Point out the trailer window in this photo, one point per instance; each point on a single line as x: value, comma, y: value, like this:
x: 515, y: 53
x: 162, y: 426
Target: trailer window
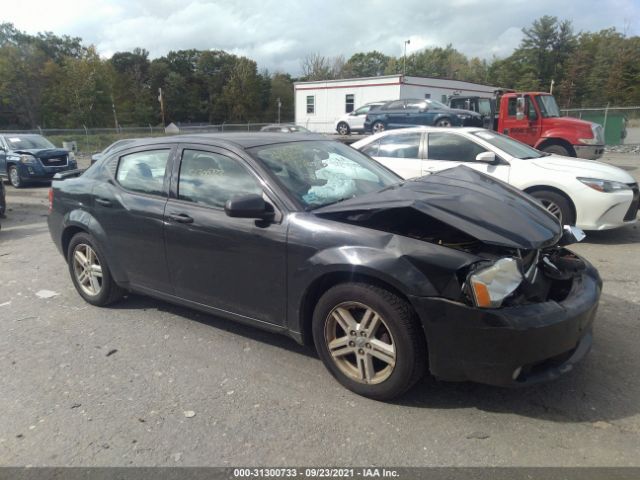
x: 349, y: 102
x: 311, y: 104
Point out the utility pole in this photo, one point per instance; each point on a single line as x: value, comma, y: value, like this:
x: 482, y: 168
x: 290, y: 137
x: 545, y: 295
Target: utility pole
x: 279, y: 105
x: 115, y: 115
x: 404, y: 63
x: 161, y: 100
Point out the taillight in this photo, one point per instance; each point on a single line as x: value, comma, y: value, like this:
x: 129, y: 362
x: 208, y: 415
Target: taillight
x: 50, y: 200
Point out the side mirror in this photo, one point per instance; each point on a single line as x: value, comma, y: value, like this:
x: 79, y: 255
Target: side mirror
x: 249, y: 206
x: 486, y: 157
x: 520, y: 107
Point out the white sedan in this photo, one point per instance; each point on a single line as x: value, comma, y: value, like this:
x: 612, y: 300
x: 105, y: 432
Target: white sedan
x: 591, y: 195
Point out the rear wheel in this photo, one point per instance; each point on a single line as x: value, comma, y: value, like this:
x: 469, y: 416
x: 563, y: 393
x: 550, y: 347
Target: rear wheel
x: 369, y: 339
x: 14, y: 177
x: 378, y: 127
x: 343, y: 128
x: 89, y: 272
x: 557, y: 205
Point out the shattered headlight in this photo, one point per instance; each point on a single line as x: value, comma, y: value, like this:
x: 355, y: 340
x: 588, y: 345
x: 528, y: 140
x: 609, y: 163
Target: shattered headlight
x: 27, y: 159
x: 491, y: 285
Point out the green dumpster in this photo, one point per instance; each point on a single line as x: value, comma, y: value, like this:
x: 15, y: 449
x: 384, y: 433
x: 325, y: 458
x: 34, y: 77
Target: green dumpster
x: 614, y: 130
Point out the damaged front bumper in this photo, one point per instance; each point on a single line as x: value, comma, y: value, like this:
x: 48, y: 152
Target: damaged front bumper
x: 515, y: 345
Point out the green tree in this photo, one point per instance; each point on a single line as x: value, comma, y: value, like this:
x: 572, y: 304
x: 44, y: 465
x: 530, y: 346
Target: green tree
x: 241, y: 93
x: 369, y: 64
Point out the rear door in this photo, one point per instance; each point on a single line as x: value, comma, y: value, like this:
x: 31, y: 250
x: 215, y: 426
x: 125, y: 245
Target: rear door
x: 400, y: 153
x: 396, y: 114
x: 234, y: 265
x: 446, y: 150
x: 130, y: 210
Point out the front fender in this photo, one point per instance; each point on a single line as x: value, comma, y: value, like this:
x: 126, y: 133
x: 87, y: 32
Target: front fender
x: 558, y: 133
x: 409, y: 266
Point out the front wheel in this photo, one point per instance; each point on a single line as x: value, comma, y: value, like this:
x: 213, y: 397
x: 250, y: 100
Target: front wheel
x: 557, y: 150
x: 14, y: 177
x: 369, y: 339
x: 89, y: 272
x: 557, y: 205
x: 443, y: 122
x: 343, y: 128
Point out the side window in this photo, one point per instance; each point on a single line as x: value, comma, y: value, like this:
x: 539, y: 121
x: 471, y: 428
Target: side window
x: 484, y: 106
x: 363, y: 110
x: 372, y: 149
x: 449, y: 146
x: 417, y: 104
x: 143, y: 171
x: 397, y: 105
x: 349, y: 102
x: 311, y: 104
x: 211, y: 179
x: 511, y: 107
x: 400, y: 146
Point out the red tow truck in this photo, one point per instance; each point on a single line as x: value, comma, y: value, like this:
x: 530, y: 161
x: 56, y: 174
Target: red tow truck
x: 534, y: 118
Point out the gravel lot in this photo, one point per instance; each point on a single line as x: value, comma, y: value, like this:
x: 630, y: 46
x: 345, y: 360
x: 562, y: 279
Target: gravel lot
x: 105, y: 387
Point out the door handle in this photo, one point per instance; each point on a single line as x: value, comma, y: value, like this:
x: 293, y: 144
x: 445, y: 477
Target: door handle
x: 180, y: 217
x: 104, y: 202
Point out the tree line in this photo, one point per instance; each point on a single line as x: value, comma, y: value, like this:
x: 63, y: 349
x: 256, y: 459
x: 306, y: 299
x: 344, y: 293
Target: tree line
x: 53, y: 81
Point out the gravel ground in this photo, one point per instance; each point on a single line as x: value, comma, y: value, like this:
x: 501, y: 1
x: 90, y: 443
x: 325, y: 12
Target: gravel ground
x: 148, y: 383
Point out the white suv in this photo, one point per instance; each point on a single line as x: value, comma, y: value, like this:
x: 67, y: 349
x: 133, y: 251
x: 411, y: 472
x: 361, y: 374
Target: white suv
x: 354, y: 121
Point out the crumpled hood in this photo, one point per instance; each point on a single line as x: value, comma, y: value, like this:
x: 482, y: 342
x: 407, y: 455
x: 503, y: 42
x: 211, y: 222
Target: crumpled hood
x: 43, y: 153
x: 474, y: 203
x: 583, y: 168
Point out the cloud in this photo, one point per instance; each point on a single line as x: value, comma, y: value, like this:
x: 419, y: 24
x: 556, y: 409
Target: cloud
x: 279, y: 33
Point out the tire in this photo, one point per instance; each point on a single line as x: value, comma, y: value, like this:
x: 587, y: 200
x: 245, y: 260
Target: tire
x: 443, y: 122
x: 14, y: 177
x: 108, y: 291
x: 377, y: 127
x: 343, y: 128
x: 390, y: 355
x: 557, y: 205
x: 557, y: 149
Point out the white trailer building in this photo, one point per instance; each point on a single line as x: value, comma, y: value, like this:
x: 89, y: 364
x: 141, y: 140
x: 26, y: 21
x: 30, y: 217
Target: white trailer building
x: 319, y: 104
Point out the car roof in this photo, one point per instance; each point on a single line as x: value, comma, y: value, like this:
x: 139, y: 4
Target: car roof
x: 422, y: 129
x: 242, y: 140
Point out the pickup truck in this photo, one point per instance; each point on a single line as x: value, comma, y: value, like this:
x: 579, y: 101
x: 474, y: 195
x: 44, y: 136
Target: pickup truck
x: 534, y: 118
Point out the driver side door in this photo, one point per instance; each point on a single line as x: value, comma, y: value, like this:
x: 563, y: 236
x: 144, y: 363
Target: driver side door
x: 233, y: 265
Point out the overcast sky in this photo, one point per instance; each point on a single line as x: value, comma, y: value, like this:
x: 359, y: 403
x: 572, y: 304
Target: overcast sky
x: 279, y: 33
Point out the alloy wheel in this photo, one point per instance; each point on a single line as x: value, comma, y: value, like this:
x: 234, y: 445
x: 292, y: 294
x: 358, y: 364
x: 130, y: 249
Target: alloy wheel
x: 87, y: 269
x: 343, y: 129
x: 443, y: 123
x: 553, y: 209
x: 14, y: 177
x: 360, y: 343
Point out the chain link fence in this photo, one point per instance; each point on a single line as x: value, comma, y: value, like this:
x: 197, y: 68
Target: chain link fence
x: 621, y: 124
x: 92, y: 140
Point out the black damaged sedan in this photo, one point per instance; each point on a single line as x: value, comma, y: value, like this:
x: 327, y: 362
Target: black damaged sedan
x: 456, y: 272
